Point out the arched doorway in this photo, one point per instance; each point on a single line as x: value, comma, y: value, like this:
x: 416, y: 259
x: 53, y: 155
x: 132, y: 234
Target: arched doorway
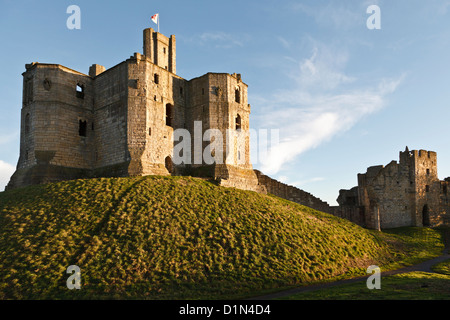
x: 426, y: 216
x: 168, y: 164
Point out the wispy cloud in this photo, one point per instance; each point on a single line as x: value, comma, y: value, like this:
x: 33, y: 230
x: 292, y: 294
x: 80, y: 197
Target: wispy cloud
x: 218, y: 39
x: 6, y: 171
x: 324, y: 102
x: 333, y: 14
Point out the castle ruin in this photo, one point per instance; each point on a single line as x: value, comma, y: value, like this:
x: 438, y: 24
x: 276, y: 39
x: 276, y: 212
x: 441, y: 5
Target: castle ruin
x: 407, y: 193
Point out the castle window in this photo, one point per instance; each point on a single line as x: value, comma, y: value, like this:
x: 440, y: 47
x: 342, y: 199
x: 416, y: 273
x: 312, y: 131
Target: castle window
x: 237, y: 96
x: 80, y: 91
x: 156, y: 78
x: 27, y: 123
x: 92, y: 126
x: 164, y: 49
x: 181, y: 90
x: 149, y: 131
x: 82, y: 125
x: 169, y: 115
x: 203, y: 91
x: 238, y: 122
x: 28, y: 90
x: 427, y: 188
x: 428, y: 171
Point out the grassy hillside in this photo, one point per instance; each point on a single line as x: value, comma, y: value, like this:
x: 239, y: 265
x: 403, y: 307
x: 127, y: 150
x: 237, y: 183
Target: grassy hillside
x: 170, y: 238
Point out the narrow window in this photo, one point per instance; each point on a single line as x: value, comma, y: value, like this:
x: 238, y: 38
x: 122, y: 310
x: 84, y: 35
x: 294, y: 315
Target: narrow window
x: 181, y: 91
x: 27, y: 123
x: 169, y: 115
x: 238, y: 122
x: 82, y: 128
x: 427, y: 188
x: 80, y: 91
x: 203, y: 91
x: 164, y: 49
x: 28, y: 91
x: 149, y: 131
x: 92, y: 126
x: 237, y: 96
x: 428, y: 171
x: 156, y: 78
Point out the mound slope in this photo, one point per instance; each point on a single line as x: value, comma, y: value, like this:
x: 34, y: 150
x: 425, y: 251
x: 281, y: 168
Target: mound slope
x: 169, y: 238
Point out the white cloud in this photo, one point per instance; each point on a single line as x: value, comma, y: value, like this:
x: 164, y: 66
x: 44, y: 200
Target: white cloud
x: 6, y: 171
x: 218, y: 39
x: 320, y: 106
x: 333, y: 14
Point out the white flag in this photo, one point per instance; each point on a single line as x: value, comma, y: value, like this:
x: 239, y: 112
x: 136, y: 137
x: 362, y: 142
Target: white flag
x: 155, y: 18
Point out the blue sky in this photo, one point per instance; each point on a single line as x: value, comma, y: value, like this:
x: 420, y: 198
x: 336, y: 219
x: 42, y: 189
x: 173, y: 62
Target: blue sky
x: 344, y: 97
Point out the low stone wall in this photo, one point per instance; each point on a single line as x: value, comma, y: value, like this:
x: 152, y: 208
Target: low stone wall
x: 292, y: 193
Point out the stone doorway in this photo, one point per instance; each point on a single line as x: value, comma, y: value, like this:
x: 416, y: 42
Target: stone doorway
x: 168, y: 164
x: 426, y: 216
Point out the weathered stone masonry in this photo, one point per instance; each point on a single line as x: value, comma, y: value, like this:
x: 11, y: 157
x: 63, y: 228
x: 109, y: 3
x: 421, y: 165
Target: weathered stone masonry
x: 407, y: 193
x: 121, y: 121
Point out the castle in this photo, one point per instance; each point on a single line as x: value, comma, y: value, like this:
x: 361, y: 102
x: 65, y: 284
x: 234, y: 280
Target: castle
x: 125, y: 121
x: 407, y: 193
x: 122, y: 121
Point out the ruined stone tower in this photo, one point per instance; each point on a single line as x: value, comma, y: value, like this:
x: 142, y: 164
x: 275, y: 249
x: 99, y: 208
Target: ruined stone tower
x: 408, y: 193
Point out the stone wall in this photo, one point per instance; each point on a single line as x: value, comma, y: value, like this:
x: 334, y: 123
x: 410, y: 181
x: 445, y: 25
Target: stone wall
x: 407, y: 193
x: 110, y: 117
x: 292, y: 193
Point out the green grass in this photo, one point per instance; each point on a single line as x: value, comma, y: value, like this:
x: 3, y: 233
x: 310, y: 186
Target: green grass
x: 178, y: 238
x: 422, y: 244
x: 407, y: 286
x: 443, y: 267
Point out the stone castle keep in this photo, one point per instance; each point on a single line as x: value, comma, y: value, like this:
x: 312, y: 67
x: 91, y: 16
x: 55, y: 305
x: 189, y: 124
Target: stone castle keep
x: 121, y: 121
x: 407, y: 193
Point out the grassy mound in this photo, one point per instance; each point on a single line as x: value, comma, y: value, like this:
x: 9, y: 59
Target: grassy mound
x: 169, y: 238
